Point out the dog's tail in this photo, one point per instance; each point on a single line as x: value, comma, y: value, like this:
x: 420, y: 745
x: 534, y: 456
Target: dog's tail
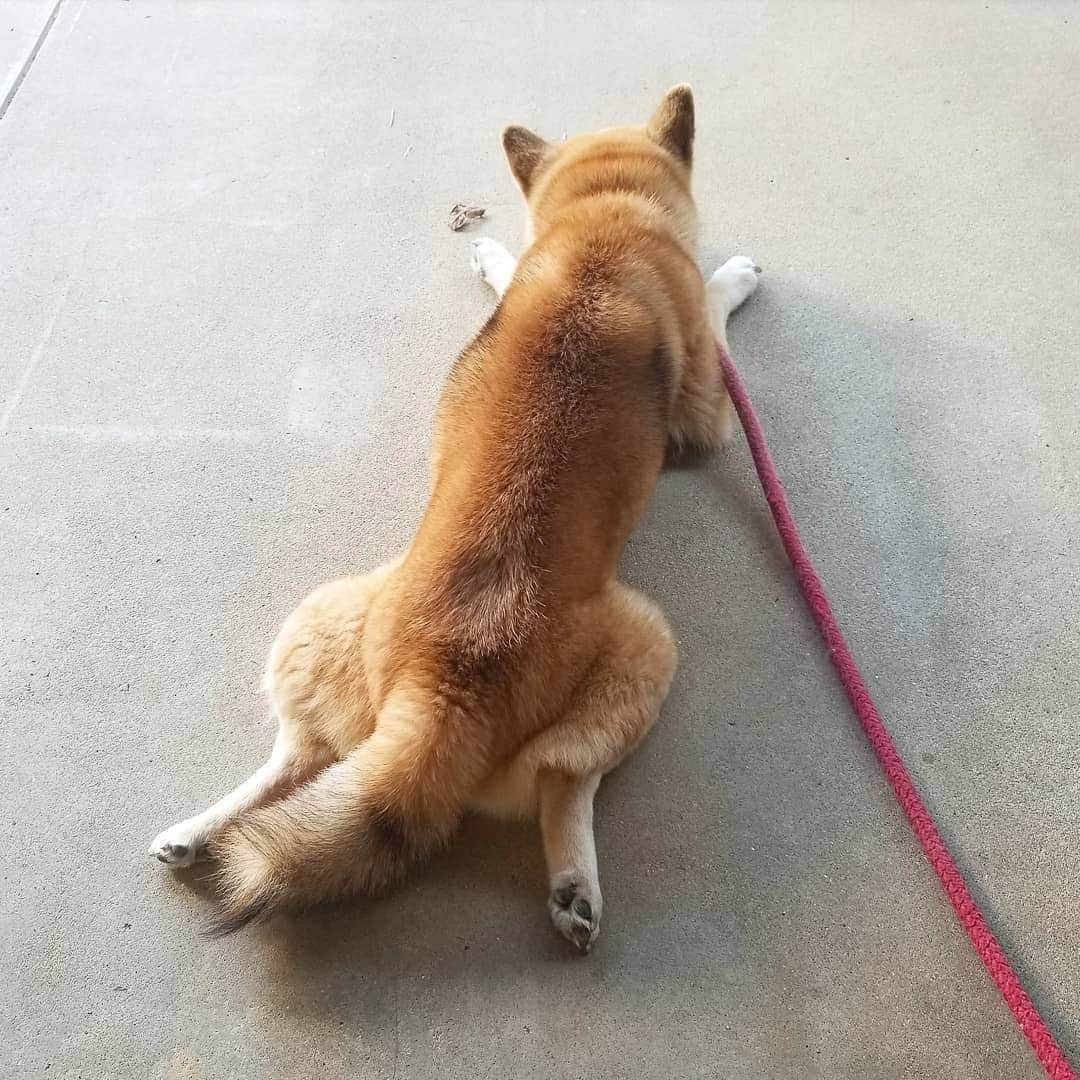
x: 359, y: 825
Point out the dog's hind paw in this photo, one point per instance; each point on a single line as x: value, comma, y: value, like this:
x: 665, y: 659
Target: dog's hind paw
x: 177, y: 847
x: 575, y: 911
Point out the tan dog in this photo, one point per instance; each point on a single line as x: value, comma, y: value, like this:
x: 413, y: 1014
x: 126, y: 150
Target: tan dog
x: 499, y: 665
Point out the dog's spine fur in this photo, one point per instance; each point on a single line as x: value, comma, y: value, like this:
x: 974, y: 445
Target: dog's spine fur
x: 359, y: 825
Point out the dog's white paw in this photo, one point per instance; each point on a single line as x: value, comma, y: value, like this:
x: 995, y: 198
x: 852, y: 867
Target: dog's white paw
x: 179, y: 846
x: 493, y: 263
x: 736, y: 280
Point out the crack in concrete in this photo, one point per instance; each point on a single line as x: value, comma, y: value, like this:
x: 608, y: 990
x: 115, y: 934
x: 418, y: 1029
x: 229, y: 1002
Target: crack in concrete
x: 9, y: 97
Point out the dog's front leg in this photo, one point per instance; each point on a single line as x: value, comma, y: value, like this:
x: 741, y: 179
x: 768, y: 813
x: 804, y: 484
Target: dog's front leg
x: 493, y: 263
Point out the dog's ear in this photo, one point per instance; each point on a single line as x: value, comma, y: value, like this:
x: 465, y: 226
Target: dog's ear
x: 525, y: 150
x: 672, y: 125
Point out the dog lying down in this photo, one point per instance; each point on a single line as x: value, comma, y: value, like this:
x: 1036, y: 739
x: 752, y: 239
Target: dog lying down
x: 499, y: 665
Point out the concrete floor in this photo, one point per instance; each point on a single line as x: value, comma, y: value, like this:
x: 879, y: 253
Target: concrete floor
x: 228, y: 297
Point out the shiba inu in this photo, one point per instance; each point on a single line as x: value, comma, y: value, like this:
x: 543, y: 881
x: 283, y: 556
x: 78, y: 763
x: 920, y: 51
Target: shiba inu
x: 499, y: 665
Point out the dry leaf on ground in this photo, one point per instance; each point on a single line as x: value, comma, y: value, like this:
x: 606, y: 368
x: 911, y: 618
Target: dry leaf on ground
x: 461, y: 215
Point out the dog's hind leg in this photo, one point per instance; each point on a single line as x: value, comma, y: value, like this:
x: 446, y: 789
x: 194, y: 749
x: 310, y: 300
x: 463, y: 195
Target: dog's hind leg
x: 611, y: 713
x: 566, y: 825
x: 316, y: 681
x: 291, y: 763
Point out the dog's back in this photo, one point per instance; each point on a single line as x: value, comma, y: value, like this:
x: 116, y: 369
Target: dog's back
x: 551, y: 432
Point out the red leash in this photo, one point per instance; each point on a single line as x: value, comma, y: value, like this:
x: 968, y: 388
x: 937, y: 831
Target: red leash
x: 1027, y: 1016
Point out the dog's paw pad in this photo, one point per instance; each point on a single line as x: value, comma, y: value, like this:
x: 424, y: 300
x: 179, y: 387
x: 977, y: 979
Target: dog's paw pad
x: 174, y: 849
x: 576, y: 913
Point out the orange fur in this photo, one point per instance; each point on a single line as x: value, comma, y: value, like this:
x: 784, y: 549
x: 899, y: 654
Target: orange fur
x: 500, y: 658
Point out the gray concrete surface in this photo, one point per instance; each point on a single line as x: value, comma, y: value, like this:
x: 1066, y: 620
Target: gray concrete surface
x: 228, y: 297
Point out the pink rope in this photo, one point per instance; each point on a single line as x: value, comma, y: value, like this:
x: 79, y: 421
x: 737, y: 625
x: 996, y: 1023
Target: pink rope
x: 1027, y: 1016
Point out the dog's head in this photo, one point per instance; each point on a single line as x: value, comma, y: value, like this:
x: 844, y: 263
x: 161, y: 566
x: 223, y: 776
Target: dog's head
x: 645, y: 158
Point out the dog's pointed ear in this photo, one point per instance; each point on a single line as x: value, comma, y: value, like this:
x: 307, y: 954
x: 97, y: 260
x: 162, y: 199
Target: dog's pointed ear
x: 525, y: 150
x: 672, y: 125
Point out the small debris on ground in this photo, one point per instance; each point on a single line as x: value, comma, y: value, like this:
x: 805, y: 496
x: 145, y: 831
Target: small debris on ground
x: 461, y: 215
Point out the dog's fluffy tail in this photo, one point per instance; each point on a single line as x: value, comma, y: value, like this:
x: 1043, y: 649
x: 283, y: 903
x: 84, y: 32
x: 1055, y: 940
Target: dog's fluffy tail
x: 358, y: 826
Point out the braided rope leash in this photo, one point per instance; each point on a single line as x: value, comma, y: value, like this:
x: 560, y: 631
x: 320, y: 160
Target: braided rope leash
x: 1048, y: 1052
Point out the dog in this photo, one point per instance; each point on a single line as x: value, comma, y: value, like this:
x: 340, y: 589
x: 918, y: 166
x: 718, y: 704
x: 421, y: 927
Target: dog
x: 499, y: 665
